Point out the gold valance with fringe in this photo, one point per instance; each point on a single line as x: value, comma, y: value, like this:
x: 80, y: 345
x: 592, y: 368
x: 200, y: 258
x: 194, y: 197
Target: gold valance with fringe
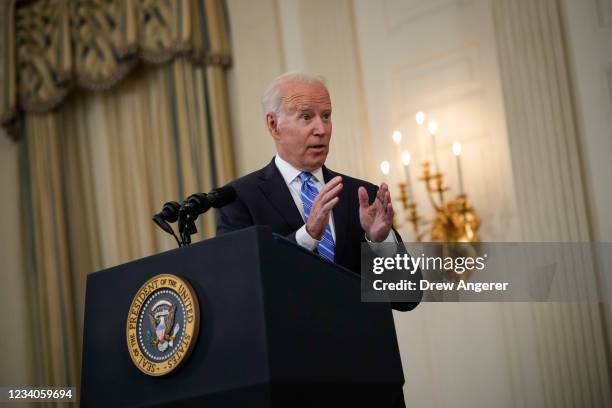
x: 53, y: 45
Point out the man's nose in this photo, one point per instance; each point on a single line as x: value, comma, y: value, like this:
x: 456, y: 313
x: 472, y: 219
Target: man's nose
x: 318, y: 126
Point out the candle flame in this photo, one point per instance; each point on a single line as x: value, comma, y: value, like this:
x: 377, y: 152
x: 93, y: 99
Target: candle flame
x: 456, y: 148
x: 384, y: 167
x: 420, y: 118
x: 433, y: 127
x: 397, y: 137
x: 406, y: 158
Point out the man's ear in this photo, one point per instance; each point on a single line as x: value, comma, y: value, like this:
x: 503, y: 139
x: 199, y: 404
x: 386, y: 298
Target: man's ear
x: 272, y: 122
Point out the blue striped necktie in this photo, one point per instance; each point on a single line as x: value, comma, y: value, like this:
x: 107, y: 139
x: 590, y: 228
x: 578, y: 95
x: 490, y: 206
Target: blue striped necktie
x: 309, y: 193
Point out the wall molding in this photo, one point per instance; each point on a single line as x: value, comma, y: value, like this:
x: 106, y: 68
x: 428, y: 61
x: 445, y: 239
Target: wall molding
x: 398, y: 13
x: 437, y: 80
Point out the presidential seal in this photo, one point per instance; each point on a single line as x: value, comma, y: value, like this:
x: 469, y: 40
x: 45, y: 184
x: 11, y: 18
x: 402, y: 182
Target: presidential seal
x: 162, y: 324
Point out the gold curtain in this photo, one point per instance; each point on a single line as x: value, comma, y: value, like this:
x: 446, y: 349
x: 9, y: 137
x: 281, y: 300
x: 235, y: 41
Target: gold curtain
x: 53, y: 45
x: 96, y: 165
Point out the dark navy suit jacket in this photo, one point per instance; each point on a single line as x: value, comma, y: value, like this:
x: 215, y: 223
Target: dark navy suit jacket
x: 263, y: 198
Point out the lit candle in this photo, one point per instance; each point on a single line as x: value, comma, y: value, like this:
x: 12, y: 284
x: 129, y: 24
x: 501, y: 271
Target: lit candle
x: 406, y: 163
x: 420, y: 119
x: 457, y: 153
x: 397, y: 139
x: 433, y: 128
x: 385, y: 167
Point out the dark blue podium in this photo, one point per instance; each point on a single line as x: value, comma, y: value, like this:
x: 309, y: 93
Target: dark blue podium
x: 279, y: 327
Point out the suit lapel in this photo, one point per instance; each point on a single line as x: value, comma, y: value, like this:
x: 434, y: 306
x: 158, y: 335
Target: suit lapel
x: 341, y: 213
x: 273, y: 185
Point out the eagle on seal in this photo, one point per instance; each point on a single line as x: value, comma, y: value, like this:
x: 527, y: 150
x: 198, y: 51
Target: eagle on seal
x: 162, y: 325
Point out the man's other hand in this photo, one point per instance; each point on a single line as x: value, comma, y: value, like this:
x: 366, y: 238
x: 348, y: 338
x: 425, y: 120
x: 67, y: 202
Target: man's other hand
x: 376, y: 219
x: 321, y: 208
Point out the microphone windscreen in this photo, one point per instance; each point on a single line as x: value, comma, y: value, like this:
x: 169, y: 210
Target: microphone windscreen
x: 170, y: 211
x: 221, y: 196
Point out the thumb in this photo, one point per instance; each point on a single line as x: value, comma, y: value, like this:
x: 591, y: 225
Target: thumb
x: 363, y: 197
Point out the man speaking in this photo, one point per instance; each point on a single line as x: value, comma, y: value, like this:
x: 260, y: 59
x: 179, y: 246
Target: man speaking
x: 297, y: 196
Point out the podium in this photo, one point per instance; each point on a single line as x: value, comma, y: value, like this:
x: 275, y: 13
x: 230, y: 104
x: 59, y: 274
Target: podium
x: 279, y: 327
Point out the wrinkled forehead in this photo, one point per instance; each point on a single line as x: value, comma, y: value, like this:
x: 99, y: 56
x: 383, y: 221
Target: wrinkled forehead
x: 299, y: 96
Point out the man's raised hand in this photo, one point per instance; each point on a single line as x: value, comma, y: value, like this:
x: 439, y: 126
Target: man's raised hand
x: 321, y: 208
x: 376, y: 219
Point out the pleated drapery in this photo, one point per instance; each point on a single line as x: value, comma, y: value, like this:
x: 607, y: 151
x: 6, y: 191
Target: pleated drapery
x: 54, y: 46
x: 95, y: 166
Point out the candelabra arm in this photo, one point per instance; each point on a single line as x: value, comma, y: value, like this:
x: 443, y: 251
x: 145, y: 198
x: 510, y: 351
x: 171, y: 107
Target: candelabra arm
x: 431, y: 198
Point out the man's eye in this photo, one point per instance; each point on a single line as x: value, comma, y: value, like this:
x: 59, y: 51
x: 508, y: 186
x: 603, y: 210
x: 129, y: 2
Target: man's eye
x: 306, y: 117
x: 326, y: 116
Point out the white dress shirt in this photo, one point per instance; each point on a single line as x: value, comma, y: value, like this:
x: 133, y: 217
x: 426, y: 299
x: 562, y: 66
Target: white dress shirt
x: 290, y: 175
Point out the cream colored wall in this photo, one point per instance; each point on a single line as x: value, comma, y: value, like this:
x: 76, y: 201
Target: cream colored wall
x: 14, y: 354
x: 257, y: 60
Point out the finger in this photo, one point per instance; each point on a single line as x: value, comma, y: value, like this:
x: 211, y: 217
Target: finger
x: 331, y: 184
x: 324, y: 198
x: 379, y: 193
x: 382, y: 197
x: 382, y: 191
x: 384, y: 188
x: 387, y: 200
x: 363, y: 197
x: 390, y: 212
x: 330, y: 205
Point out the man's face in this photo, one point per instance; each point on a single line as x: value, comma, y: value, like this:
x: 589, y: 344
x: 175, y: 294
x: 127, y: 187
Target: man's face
x: 303, y: 130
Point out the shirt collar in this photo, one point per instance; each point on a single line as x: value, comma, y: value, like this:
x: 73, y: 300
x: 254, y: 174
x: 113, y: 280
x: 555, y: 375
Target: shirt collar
x: 290, y: 173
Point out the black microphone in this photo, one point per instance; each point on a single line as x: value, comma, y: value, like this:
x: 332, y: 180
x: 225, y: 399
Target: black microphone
x: 221, y: 196
x: 196, y: 204
x: 169, y: 213
x: 199, y: 203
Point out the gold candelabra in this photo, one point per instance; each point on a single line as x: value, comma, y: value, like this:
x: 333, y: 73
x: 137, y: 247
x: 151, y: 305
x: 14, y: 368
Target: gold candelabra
x: 454, y: 220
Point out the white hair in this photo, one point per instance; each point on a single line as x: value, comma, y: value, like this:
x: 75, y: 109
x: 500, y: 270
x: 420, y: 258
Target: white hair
x: 272, y: 98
